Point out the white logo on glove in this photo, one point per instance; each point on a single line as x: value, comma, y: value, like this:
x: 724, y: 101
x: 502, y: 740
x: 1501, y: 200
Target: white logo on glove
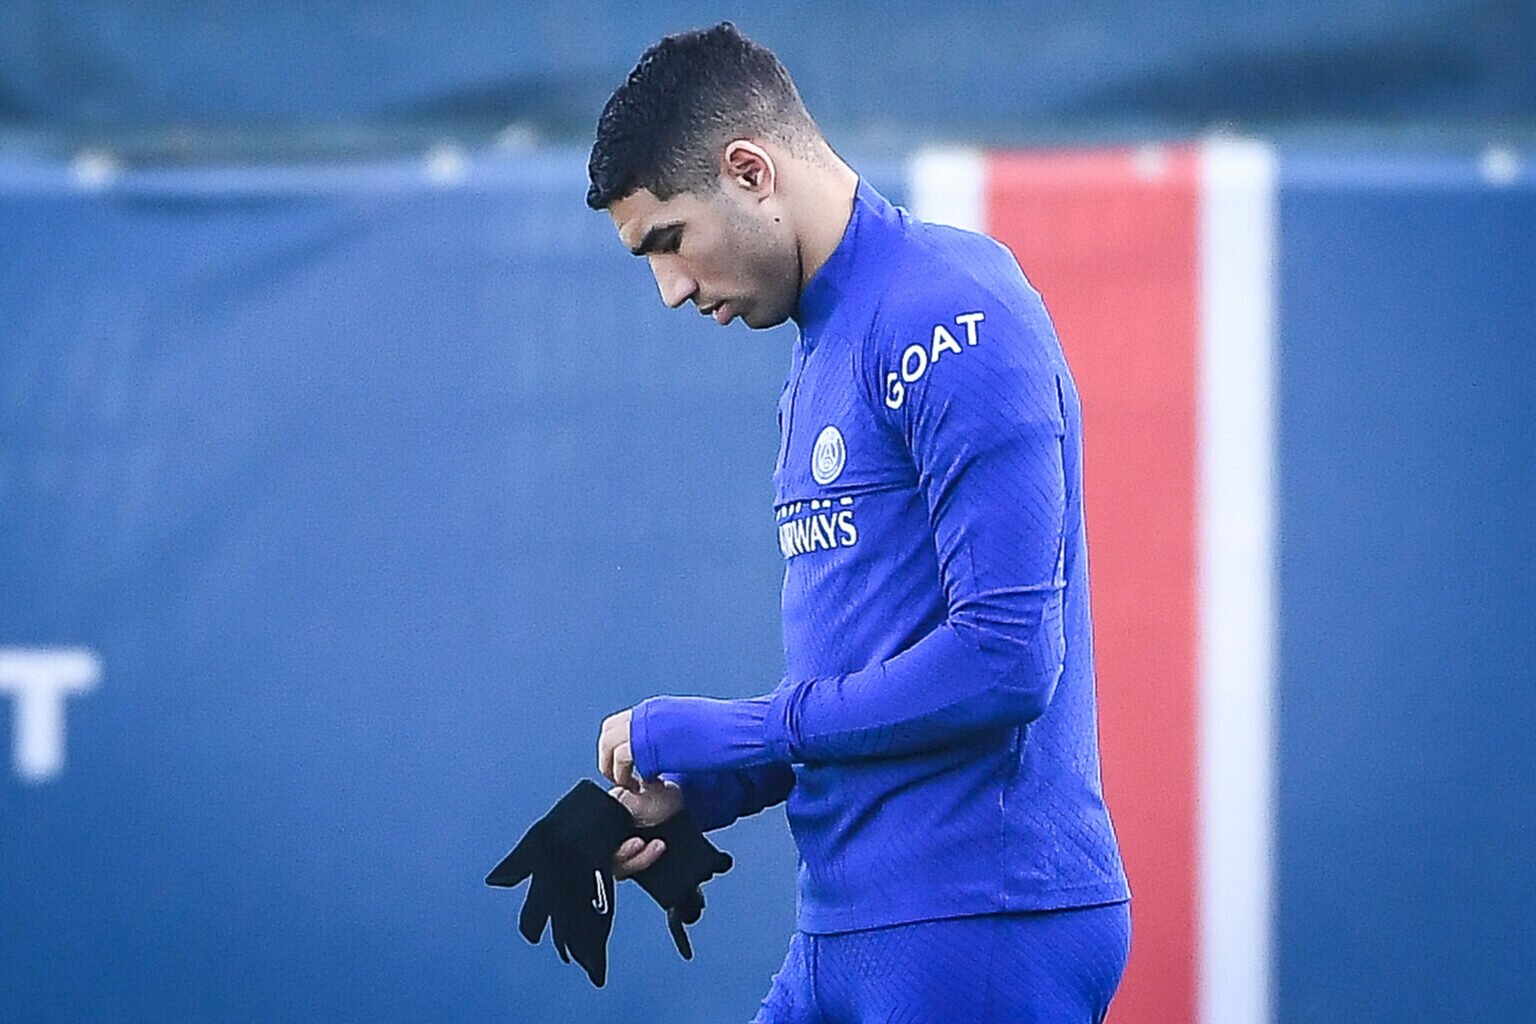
x: 600, y: 904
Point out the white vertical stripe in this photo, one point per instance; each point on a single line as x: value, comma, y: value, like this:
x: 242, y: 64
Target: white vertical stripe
x: 948, y: 186
x: 1237, y: 581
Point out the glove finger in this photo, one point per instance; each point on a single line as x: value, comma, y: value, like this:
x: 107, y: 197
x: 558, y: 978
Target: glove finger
x: 679, y: 934
x: 691, y: 907
x: 583, y: 937
x: 723, y: 862
x: 593, y: 958
x: 587, y: 921
x: 534, y: 916
x: 518, y: 864
x: 557, y: 936
x: 598, y: 927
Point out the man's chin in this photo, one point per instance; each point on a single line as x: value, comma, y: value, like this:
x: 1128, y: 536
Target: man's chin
x: 759, y: 321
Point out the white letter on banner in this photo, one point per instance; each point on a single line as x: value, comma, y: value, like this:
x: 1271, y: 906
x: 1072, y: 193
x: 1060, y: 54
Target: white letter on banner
x: 40, y: 679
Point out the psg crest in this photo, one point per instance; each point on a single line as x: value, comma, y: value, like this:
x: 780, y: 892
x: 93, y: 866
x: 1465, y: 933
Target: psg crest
x: 828, y: 456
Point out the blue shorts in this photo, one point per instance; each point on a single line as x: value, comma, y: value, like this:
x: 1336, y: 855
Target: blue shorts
x: 1060, y: 967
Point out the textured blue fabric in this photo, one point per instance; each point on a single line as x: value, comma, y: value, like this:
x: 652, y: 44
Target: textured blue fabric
x: 716, y: 799
x: 1048, y: 967
x: 938, y: 705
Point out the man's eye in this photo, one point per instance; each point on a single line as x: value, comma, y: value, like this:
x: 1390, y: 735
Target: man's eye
x: 672, y: 243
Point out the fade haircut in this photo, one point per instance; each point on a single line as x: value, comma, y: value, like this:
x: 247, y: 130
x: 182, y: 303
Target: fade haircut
x: 689, y: 96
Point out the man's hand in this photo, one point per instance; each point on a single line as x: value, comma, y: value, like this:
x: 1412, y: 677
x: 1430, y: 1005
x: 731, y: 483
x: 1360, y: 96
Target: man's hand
x: 615, y: 759
x: 653, y: 804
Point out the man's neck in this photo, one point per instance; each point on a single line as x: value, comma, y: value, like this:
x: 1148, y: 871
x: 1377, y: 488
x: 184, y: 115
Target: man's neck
x: 824, y: 214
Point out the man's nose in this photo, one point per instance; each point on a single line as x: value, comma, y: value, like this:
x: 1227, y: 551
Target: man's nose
x: 676, y: 287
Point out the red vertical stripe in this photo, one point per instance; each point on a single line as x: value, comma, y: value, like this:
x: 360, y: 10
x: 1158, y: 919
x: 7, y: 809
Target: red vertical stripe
x: 1109, y: 238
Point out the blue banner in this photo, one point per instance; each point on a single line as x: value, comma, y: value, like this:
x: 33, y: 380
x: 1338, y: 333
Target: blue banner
x: 340, y: 506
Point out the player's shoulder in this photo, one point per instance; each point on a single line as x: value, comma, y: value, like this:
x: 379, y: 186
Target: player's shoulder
x: 957, y: 315
x: 940, y: 272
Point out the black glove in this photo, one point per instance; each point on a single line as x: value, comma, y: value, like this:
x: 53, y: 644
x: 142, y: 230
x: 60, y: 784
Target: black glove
x: 673, y: 881
x: 569, y: 853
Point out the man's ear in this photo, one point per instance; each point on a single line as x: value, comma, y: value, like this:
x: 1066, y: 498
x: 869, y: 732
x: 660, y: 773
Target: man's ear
x: 748, y: 166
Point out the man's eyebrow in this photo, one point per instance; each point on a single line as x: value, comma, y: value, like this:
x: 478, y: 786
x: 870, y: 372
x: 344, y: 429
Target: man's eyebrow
x: 654, y: 237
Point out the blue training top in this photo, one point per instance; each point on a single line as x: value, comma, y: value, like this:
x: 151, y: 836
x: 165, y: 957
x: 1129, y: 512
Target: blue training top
x: 936, y: 732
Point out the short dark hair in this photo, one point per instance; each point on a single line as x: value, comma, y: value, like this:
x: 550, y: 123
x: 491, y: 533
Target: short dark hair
x: 689, y: 95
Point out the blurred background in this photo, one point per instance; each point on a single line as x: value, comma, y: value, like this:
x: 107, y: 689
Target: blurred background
x: 351, y: 473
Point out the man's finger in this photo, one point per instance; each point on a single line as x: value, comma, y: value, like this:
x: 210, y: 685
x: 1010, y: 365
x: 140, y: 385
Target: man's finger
x: 649, y: 855
x: 646, y: 854
x: 613, y: 734
x: 605, y: 756
x: 624, y: 767
x: 634, y: 802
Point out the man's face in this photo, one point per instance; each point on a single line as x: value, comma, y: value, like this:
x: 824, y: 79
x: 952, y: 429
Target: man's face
x: 721, y: 250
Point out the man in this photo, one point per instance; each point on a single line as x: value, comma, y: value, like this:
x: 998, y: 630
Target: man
x: 935, y: 733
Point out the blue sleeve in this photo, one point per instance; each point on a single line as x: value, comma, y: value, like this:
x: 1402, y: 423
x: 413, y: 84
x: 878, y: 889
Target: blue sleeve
x: 717, y: 799
x: 972, y: 387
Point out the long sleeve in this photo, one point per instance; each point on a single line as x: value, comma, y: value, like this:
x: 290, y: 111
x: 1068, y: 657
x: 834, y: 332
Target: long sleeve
x: 717, y: 799
x: 973, y: 388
